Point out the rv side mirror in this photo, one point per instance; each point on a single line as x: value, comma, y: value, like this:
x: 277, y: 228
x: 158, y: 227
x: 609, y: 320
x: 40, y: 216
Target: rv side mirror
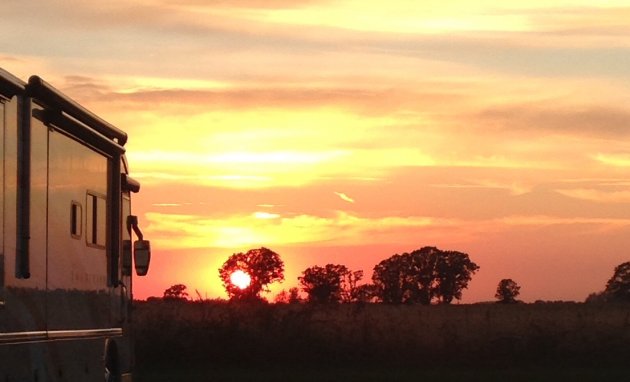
x: 142, y: 256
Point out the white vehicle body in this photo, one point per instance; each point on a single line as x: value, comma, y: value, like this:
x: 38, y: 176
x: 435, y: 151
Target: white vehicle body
x: 65, y: 239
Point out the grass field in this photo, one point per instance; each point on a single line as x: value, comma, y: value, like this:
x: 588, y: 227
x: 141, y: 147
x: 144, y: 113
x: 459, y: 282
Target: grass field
x: 218, y: 341
x: 373, y: 375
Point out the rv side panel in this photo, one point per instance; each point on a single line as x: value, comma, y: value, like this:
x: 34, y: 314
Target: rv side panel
x: 1, y: 198
x: 24, y: 297
x: 65, y: 279
x: 9, y: 187
x: 77, y: 264
x: 38, y: 229
x: 24, y: 308
x: 37, y: 182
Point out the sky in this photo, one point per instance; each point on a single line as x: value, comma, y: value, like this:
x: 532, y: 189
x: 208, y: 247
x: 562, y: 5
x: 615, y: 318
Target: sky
x: 348, y: 131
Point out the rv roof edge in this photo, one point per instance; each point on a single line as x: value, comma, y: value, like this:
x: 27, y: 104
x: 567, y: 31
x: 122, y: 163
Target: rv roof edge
x: 10, y: 85
x: 43, y: 91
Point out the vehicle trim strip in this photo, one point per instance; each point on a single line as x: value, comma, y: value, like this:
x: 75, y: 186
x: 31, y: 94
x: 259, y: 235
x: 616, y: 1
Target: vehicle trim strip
x: 57, y: 335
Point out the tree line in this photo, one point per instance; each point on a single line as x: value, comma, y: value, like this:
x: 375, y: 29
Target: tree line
x: 424, y: 276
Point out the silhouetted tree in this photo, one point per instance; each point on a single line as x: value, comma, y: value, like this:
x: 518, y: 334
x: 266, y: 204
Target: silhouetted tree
x: 176, y: 292
x: 366, y: 293
x: 349, y: 287
x: 324, y: 284
x: 422, y: 275
x: 618, y: 287
x: 282, y: 297
x: 263, y: 266
x: 507, y: 290
x: 596, y: 298
x: 454, y: 272
x: 288, y: 297
x: 390, y: 279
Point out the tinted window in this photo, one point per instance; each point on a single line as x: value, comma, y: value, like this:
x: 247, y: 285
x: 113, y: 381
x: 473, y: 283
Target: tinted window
x: 96, y: 220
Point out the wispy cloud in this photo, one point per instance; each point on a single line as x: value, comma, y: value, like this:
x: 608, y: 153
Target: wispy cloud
x: 545, y: 220
x: 514, y: 188
x: 265, y: 215
x: 252, y: 4
x: 344, y: 197
x: 599, y: 196
x: 556, y: 118
x: 263, y: 228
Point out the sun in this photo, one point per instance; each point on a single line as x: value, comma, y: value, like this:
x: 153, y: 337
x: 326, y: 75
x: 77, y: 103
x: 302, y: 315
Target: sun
x: 240, y: 279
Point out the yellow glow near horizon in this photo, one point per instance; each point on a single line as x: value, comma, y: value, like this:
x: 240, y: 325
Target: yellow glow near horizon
x: 259, y: 229
x: 273, y: 147
x: 240, y: 231
x: 277, y: 169
x: 614, y: 160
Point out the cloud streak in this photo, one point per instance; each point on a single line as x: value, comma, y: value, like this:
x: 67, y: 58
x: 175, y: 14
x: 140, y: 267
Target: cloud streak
x: 190, y: 231
x: 588, y: 120
x: 344, y: 197
x: 261, y: 228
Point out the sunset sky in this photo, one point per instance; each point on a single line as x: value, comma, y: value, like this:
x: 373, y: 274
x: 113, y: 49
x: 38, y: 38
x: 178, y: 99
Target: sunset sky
x: 348, y: 131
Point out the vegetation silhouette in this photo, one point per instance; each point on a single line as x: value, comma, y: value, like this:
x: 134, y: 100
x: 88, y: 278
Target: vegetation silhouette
x: 263, y: 266
x: 507, y: 291
x: 237, y: 334
x: 423, y: 275
x: 176, y: 292
x: 290, y: 297
x: 618, y: 287
x: 332, y: 283
x: 214, y: 334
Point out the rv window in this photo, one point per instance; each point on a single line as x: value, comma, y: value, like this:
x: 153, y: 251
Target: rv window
x: 96, y: 220
x: 75, y: 220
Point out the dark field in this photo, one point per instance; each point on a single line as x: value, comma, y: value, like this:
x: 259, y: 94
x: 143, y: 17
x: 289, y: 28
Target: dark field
x: 574, y: 374
x: 214, y: 341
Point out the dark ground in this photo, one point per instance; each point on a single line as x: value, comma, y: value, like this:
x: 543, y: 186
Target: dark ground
x: 528, y: 342
x: 536, y: 374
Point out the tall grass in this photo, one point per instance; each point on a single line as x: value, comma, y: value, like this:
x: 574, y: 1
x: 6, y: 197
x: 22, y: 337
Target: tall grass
x: 492, y: 335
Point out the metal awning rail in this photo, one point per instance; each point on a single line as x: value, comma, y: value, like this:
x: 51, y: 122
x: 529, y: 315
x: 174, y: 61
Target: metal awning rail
x: 55, y: 99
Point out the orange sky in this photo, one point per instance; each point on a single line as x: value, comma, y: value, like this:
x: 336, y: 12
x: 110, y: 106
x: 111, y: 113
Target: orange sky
x: 349, y: 131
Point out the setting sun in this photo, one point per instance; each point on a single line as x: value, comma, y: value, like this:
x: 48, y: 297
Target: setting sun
x: 240, y: 279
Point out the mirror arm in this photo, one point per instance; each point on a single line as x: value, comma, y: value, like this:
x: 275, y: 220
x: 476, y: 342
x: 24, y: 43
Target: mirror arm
x: 136, y: 229
x: 132, y: 221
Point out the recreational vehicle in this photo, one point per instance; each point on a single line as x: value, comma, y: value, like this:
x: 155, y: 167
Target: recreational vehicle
x: 67, y: 245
